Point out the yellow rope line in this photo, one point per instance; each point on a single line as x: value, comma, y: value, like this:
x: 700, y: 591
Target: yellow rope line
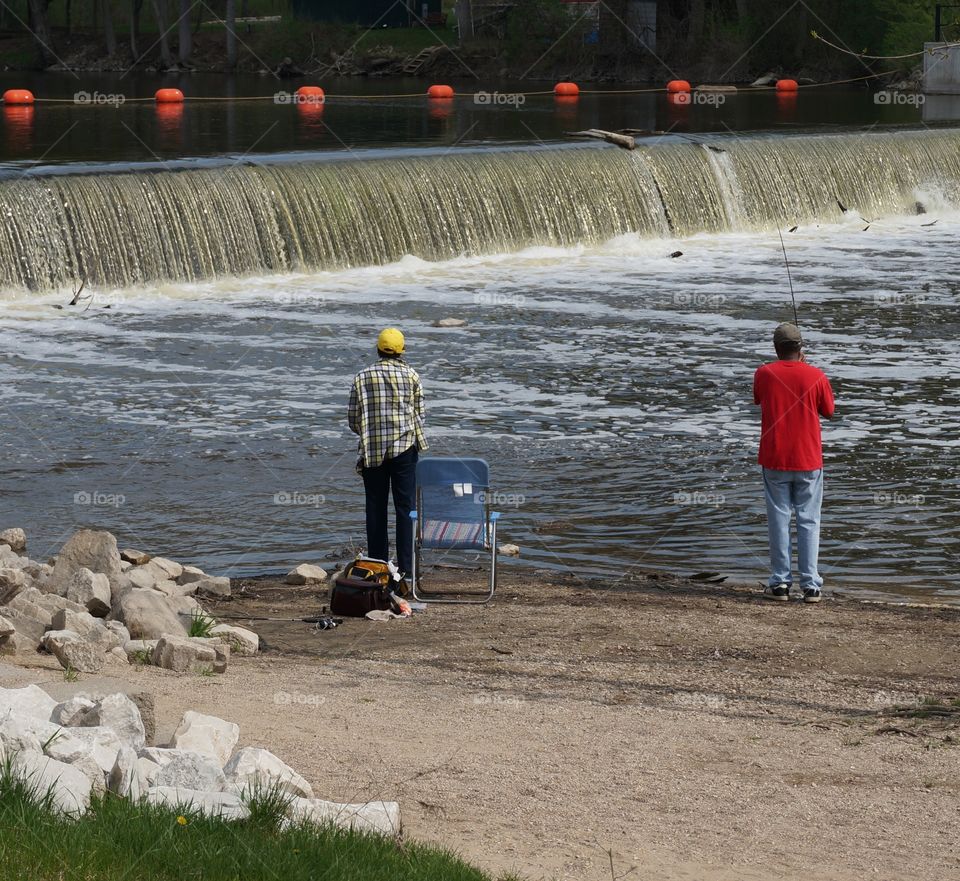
x: 198, y: 99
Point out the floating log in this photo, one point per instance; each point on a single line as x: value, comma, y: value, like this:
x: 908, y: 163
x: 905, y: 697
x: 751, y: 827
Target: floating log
x: 709, y: 88
x: 625, y: 141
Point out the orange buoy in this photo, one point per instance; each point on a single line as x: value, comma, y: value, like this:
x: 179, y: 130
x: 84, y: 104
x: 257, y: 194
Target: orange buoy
x: 566, y: 90
x: 440, y: 92
x: 17, y: 96
x: 787, y: 86
x: 310, y: 95
x: 169, y: 96
x: 675, y: 86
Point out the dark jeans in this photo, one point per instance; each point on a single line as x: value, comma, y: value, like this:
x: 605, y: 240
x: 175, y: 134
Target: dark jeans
x: 401, y: 472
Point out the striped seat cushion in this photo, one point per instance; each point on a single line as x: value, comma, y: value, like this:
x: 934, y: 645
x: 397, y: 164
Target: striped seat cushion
x: 447, y: 532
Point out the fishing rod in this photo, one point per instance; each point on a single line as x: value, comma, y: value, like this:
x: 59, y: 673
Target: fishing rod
x: 786, y: 260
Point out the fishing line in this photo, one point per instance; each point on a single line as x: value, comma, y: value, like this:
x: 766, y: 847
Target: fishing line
x: 786, y: 260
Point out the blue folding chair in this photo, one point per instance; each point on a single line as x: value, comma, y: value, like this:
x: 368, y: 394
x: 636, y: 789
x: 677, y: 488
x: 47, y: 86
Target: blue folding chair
x: 453, y: 513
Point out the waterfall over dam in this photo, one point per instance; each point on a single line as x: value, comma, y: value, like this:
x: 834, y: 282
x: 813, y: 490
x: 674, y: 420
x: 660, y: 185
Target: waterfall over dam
x: 134, y: 226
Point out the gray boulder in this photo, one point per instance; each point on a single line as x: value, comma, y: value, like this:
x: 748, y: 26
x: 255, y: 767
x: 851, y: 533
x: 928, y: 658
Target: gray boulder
x: 121, y: 715
x: 252, y: 769
x: 182, y: 653
x: 12, y: 582
x: 126, y: 778
x: 208, y: 735
x: 73, y: 651
x: 68, y: 786
x: 30, y: 701
x: 213, y: 586
x: 380, y: 817
x: 15, y: 539
x: 187, y: 770
x: 91, y: 590
x: 224, y: 805
x: 240, y: 640
x: 89, y: 549
x: 148, y: 615
x: 91, y: 629
x: 70, y: 712
x: 306, y: 573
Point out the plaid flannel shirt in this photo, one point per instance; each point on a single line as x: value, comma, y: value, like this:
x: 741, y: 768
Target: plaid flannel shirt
x: 386, y: 411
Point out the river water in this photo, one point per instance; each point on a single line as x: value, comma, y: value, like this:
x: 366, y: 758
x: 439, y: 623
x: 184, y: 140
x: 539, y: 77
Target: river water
x: 607, y: 383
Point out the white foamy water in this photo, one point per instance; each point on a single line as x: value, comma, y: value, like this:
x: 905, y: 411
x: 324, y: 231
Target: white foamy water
x: 608, y: 387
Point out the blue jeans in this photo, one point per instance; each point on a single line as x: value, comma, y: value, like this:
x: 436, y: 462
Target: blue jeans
x: 400, y: 475
x: 800, y: 492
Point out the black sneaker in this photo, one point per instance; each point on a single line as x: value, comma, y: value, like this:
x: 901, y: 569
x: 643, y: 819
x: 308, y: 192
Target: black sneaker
x: 781, y: 592
x: 811, y: 595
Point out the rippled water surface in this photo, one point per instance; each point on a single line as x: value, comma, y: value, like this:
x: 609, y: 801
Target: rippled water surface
x: 609, y: 388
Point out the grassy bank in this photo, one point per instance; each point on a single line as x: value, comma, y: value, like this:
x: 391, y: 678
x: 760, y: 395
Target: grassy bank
x: 118, y: 840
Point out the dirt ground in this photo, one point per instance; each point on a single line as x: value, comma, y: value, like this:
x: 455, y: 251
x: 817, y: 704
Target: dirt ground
x: 663, y: 730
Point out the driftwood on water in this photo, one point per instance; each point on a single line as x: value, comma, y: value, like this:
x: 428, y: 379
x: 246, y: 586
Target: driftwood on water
x: 625, y: 141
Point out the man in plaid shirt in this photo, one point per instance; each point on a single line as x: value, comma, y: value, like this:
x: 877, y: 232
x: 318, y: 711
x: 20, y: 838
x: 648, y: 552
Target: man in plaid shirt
x: 387, y: 412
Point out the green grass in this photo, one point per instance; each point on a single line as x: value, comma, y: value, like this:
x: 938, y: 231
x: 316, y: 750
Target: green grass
x: 117, y: 840
x: 200, y: 624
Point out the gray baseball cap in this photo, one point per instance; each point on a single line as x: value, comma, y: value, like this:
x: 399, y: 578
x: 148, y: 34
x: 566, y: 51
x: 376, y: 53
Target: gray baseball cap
x: 787, y: 333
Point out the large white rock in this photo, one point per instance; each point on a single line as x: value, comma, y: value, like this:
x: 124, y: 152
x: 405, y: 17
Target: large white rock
x: 133, y: 556
x: 12, y: 582
x: 74, y: 652
x: 69, y: 787
x: 84, y: 624
x: 126, y: 778
x: 382, y: 817
x: 191, y: 575
x: 306, y: 573
x: 91, y: 590
x: 121, y: 715
x: 29, y: 701
x: 188, y: 770
x: 252, y: 770
x: 240, y: 640
x: 70, y: 711
x: 89, y: 549
x: 103, y: 741
x: 25, y: 733
x: 225, y: 805
x: 80, y: 754
x: 6, y: 627
x: 206, y: 734
x: 213, y: 586
x: 148, y: 615
x: 16, y: 538
x: 181, y: 653
x: 170, y: 568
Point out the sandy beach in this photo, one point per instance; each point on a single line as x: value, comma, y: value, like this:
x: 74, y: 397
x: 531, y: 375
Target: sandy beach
x: 663, y: 730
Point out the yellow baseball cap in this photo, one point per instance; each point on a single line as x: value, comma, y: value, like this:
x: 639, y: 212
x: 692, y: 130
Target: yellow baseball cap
x: 390, y: 341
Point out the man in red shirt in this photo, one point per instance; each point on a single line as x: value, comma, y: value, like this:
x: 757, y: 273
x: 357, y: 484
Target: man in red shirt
x: 792, y: 395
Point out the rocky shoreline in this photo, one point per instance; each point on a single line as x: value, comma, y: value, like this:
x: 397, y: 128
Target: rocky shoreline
x: 97, y: 608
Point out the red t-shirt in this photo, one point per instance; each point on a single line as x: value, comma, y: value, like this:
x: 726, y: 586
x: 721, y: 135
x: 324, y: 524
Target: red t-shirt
x: 792, y: 396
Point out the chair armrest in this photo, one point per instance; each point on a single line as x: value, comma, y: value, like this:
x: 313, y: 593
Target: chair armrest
x: 413, y: 515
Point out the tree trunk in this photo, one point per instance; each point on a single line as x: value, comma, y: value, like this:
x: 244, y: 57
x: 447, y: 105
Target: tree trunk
x: 184, y: 31
x: 41, y: 31
x: 231, y: 21
x: 135, y: 7
x: 66, y: 14
x: 109, y: 34
x: 698, y: 18
x: 160, y: 13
